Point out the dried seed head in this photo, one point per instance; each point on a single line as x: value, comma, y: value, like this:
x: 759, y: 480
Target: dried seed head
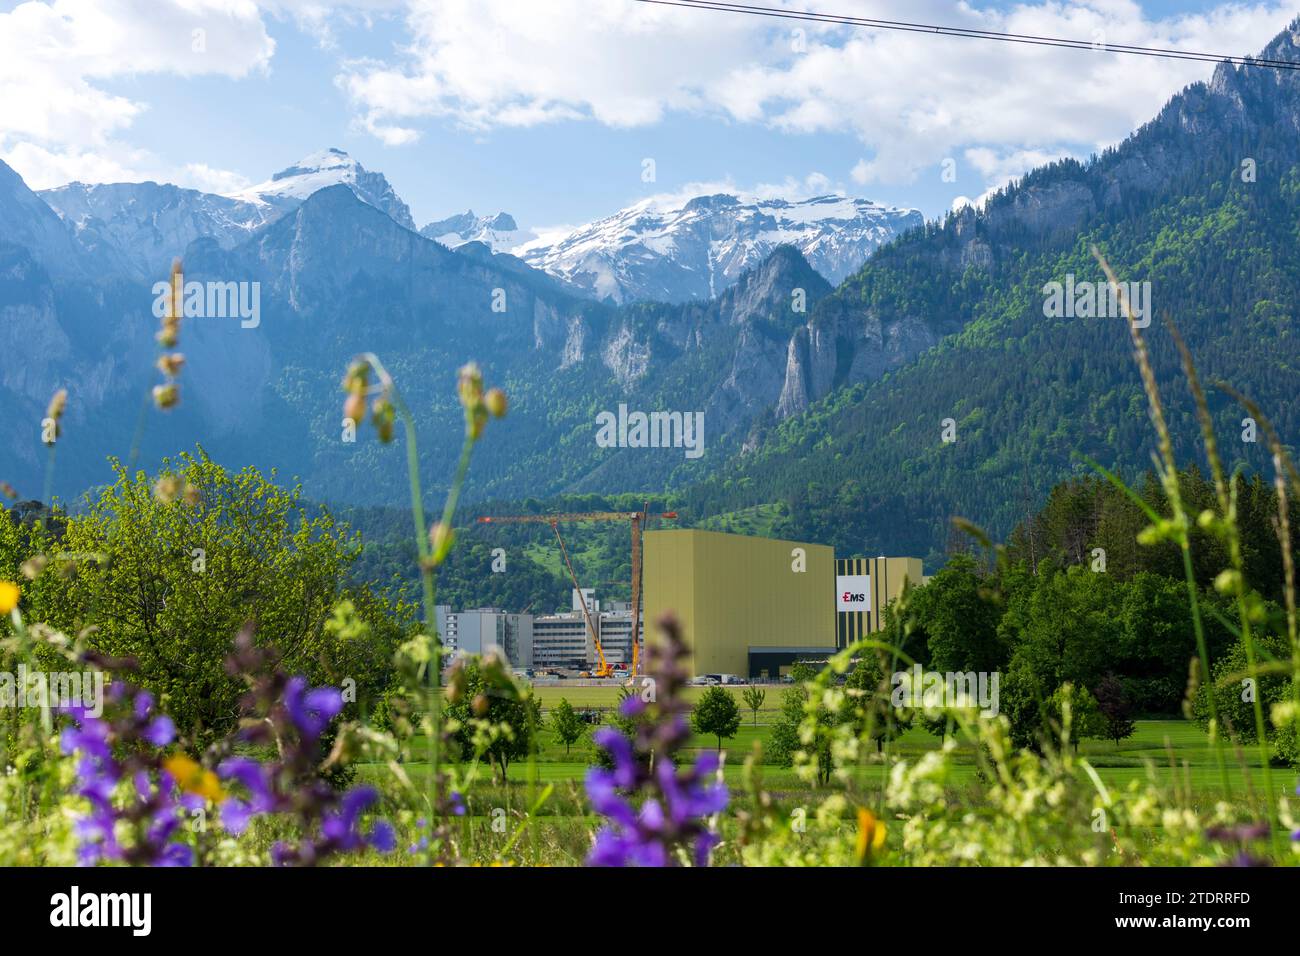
x: 470, y: 386
x: 354, y: 407
x: 496, y: 402
x: 357, y: 378
x: 170, y: 364
x: 58, y: 403
x: 167, y: 489
x: 33, y: 566
x: 441, y: 538
x: 383, y: 417
x: 177, y: 289
x: 166, y: 396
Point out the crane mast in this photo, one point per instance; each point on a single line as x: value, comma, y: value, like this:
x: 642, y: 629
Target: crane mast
x: 638, y: 520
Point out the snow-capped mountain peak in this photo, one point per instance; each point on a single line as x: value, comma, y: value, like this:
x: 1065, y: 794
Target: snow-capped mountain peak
x: 140, y: 227
x: 500, y: 233
x: 694, y: 248
x: 329, y: 167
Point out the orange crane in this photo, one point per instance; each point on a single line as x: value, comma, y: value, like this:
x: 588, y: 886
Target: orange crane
x: 638, y: 520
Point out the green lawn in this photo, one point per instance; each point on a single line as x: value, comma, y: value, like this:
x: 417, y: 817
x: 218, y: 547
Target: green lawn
x: 605, y: 697
x: 1148, y: 751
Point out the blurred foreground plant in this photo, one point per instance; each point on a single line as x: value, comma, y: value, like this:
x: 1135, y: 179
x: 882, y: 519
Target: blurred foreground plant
x: 657, y: 813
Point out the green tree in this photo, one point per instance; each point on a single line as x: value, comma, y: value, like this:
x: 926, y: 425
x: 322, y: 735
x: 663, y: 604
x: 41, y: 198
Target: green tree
x: 494, y: 718
x: 957, y: 615
x: 1065, y: 628
x: 1024, y: 701
x: 867, y: 702
x: 801, y: 671
x: 1086, y: 719
x: 166, y: 573
x: 1115, y: 707
x: 753, y: 697
x: 716, y: 714
x: 784, y: 740
x: 1234, y: 690
x: 565, y: 724
x: 1156, y: 639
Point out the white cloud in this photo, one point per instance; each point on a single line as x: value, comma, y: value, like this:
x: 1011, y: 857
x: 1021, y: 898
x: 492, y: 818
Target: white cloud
x: 912, y: 99
x: 321, y: 20
x: 488, y: 63
x: 59, y: 122
x: 814, y: 184
x: 1002, y: 165
x: 43, y: 168
x: 204, y: 178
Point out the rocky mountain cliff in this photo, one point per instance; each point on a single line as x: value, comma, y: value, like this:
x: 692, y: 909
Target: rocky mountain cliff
x: 336, y: 276
x: 140, y: 227
x: 1200, y: 203
x: 27, y: 221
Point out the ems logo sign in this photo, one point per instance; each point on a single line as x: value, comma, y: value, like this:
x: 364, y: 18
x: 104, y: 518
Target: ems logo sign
x: 852, y: 592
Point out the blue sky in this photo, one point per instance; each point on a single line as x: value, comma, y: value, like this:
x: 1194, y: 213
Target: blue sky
x: 490, y: 106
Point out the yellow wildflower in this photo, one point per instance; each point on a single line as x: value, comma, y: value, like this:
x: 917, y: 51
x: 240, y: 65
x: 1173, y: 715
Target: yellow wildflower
x: 9, y: 594
x: 192, y: 778
x: 871, y: 834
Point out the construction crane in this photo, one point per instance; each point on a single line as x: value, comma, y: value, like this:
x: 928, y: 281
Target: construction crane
x: 638, y: 520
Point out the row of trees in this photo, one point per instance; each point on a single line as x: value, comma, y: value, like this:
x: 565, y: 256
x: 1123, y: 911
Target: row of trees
x: 1075, y: 607
x: 716, y: 714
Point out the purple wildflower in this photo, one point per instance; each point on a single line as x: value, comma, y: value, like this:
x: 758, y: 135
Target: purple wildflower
x: 652, y: 814
x: 293, y: 716
x: 148, y: 807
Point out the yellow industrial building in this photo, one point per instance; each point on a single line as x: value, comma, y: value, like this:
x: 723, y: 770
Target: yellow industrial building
x: 753, y: 606
x: 864, y: 587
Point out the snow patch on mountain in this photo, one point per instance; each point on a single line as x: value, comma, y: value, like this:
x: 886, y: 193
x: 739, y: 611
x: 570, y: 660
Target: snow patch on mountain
x: 138, y: 228
x: 141, y: 227
x: 674, y: 250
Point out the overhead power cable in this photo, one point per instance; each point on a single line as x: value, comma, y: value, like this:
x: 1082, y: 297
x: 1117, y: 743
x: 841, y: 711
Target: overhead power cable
x: 973, y: 34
